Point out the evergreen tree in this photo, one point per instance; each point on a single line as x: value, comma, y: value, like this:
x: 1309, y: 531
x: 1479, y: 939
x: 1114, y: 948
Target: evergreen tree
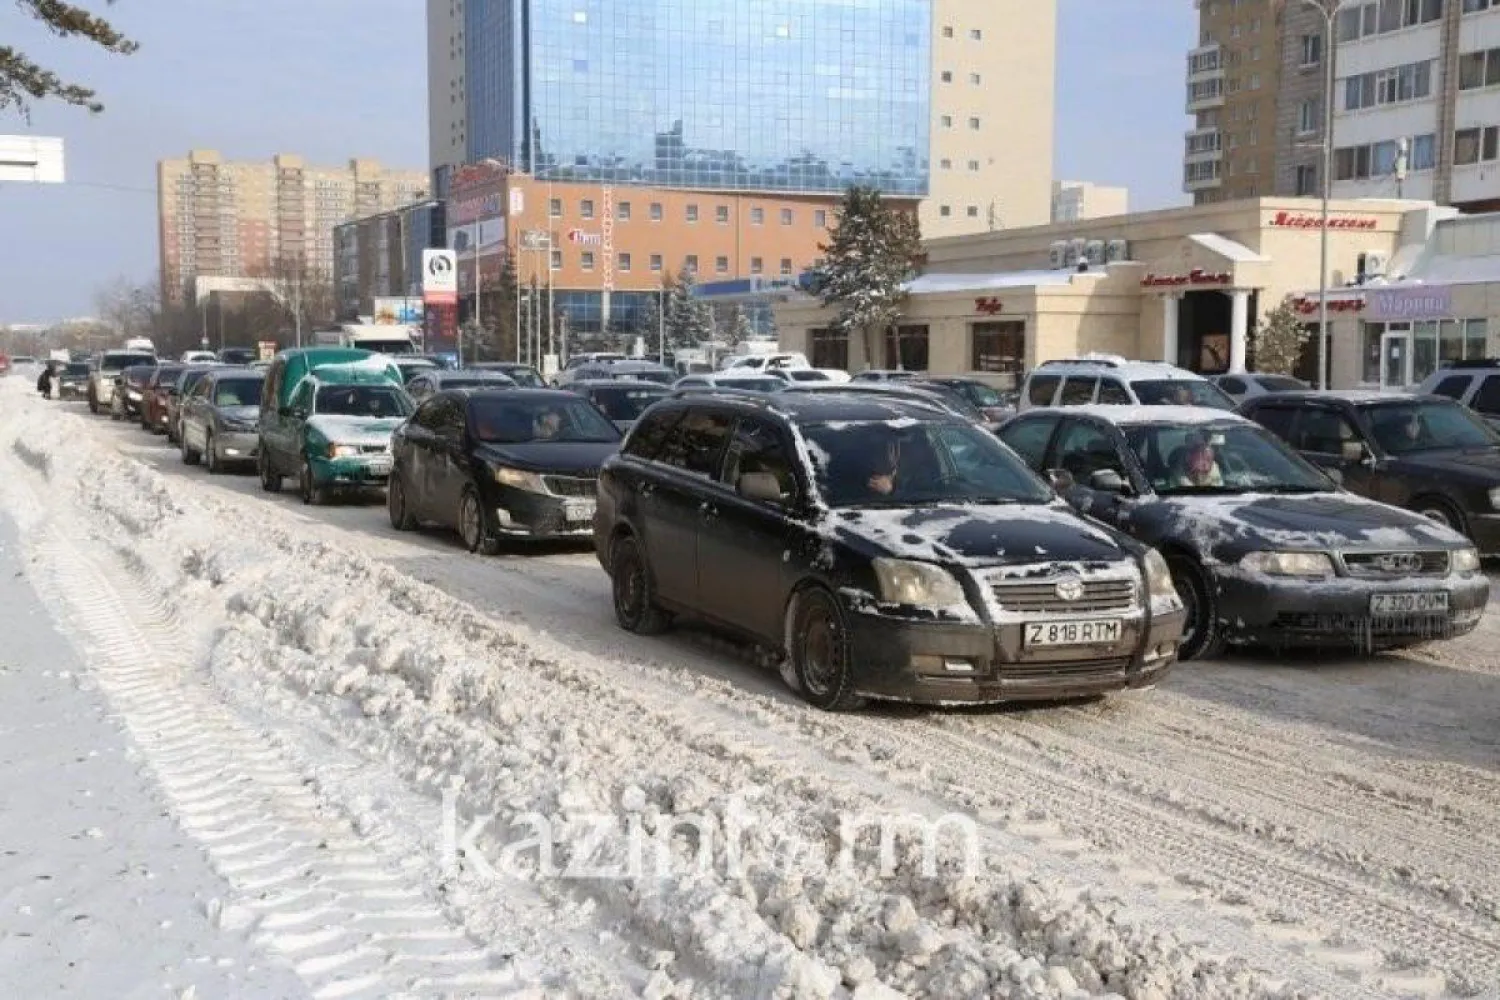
x: 690, y: 321
x: 1279, y: 339
x: 23, y: 81
x: 740, y: 327
x: 872, y: 253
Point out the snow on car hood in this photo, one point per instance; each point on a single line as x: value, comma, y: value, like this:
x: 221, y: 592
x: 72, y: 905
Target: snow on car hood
x: 1307, y: 521
x: 977, y: 536
x: 342, y: 428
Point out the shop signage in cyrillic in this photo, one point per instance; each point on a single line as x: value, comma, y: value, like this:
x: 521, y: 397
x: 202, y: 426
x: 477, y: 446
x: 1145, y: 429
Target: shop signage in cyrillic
x: 989, y: 306
x: 1301, y: 220
x: 1409, y: 303
x: 1197, y: 276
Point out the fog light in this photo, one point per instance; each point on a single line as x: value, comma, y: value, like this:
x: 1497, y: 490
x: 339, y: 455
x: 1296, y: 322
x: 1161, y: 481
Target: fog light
x: 503, y: 517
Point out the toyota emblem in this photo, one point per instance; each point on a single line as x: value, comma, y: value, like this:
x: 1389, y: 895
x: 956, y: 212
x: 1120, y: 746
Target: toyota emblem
x: 1070, y: 589
x: 1399, y: 562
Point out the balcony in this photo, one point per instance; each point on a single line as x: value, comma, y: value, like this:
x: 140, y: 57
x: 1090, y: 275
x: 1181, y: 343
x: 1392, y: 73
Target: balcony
x: 1203, y: 145
x: 1204, y: 94
x: 1202, y: 176
x: 1205, y: 63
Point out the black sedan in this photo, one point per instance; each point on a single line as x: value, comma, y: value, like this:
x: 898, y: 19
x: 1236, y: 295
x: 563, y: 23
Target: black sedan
x: 512, y: 463
x: 888, y: 548
x: 1263, y: 547
x: 1428, y: 454
x: 621, y: 401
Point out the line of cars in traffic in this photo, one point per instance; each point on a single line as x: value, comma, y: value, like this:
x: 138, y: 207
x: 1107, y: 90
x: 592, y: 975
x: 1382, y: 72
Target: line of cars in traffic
x: 891, y: 541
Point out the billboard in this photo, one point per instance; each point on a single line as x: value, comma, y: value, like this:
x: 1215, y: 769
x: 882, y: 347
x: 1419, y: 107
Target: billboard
x: 31, y: 159
x: 397, y: 311
x: 439, y: 276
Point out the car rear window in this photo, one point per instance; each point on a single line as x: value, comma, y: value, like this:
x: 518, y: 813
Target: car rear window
x: 1181, y: 392
x: 238, y: 392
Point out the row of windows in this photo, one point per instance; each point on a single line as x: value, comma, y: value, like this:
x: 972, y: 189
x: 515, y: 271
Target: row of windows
x: 1410, y: 82
x: 624, y: 212
x: 947, y: 77
x: 993, y: 347
x: 947, y: 122
x: 1479, y: 69
x: 946, y: 211
x: 624, y: 261
x: 946, y: 164
x: 1475, y: 145
x: 1377, y: 17
x: 1378, y: 159
x: 975, y: 35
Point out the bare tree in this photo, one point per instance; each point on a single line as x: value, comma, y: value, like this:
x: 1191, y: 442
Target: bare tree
x: 23, y: 80
x: 305, y: 294
x: 131, y: 309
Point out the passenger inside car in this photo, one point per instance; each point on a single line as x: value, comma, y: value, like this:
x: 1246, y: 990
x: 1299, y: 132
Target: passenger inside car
x: 1194, y: 464
x: 1398, y: 435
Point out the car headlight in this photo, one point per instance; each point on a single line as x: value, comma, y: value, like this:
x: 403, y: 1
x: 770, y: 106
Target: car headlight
x: 1465, y: 560
x: 520, y: 479
x: 1158, y: 576
x: 917, y: 584
x: 133, y: 395
x: 342, y: 450
x: 1305, y: 564
x: 1495, y: 498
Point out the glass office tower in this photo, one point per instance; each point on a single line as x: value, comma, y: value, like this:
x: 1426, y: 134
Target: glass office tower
x: 728, y: 95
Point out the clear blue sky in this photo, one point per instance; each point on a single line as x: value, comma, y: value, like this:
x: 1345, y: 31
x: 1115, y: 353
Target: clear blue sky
x: 333, y: 79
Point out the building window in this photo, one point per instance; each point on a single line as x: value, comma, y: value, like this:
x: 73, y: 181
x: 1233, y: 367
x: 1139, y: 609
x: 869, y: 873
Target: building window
x: 1307, y: 180
x: 947, y: 31
x: 721, y: 265
x: 906, y: 348
x: 656, y: 262
x: 586, y: 208
x: 1254, y: 81
x: 945, y: 164
x: 974, y: 123
x: 656, y: 211
x: 945, y: 211
x: 973, y: 211
x: 974, y: 78
x: 786, y: 216
x: 1479, y: 69
x: 975, y: 34
x: 1312, y: 50
x: 786, y: 267
x: 623, y: 262
x: 1357, y: 163
x: 691, y: 263
x: 973, y: 165
x: 820, y: 219
x: 721, y: 215
x: 1472, y: 145
x: 555, y: 261
x: 622, y: 211
x: 757, y: 265
x: 947, y: 121
x: 692, y: 213
x: 998, y: 347
x: 1410, y: 82
x: 586, y: 260
x: 830, y: 349
x: 554, y: 208
x: 757, y: 217
x: 1309, y: 116
x: 946, y: 76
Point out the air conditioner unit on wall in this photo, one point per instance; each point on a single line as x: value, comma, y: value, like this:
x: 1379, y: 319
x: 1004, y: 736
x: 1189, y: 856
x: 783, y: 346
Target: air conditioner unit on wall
x: 1373, y: 264
x: 1074, y: 252
x: 1116, y: 251
x: 1093, y: 252
x: 1057, y: 253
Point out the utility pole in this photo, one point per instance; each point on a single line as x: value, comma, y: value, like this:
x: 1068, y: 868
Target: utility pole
x: 1329, y: 9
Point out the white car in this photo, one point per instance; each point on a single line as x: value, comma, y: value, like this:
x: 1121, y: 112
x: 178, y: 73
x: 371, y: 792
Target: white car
x: 764, y: 362
x: 199, y: 357
x: 747, y: 380
x: 796, y: 375
x: 1113, y: 380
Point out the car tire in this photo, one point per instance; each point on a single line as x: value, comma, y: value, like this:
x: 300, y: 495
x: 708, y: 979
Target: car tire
x: 396, y: 506
x: 819, y: 653
x: 211, y: 457
x: 473, y: 525
x: 307, y: 488
x: 1442, y: 511
x: 269, y: 480
x: 633, y: 591
x: 1202, y: 632
x: 189, y: 456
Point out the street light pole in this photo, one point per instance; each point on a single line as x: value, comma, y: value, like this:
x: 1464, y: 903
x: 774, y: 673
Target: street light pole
x: 1329, y: 9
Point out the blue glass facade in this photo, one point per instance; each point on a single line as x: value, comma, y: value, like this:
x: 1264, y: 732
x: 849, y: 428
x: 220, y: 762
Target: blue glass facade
x: 734, y: 95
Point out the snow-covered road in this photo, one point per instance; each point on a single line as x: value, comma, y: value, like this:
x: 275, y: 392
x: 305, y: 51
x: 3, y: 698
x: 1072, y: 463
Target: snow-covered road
x: 1251, y: 828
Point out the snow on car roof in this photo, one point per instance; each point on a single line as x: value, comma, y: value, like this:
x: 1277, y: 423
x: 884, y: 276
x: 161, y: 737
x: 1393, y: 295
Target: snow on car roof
x: 1157, y: 414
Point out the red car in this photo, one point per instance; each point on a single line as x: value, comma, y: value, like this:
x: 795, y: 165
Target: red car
x: 159, y: 389
x: 4, y: 364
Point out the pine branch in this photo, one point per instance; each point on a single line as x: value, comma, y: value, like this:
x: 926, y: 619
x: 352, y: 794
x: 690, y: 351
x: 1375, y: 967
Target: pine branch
x: 23, y: 81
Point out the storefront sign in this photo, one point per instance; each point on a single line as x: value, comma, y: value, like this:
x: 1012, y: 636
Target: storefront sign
x: 1197, y: 276
x: 583, y: 238
x: 1307, y: 306
x: 1297, y: 220
x: 989, y: 306
x: 1410, y: 303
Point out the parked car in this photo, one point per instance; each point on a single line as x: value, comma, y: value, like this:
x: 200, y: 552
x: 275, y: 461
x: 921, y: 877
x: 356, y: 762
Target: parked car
x: 412, y: 365
x: 186, y: 380
x: 948, y: 400
x: 101, y: 385
x: 129, y: 392
x: 427, y: 383
x: 835, y: 375
x: 631, y: 369
x: 159, y: 387
x: 885, y: 375
x: 202, y: 358
x: 765, y: 362
x: 1476, y: 384
x: 996, y: 406
x: 1110, y: 379
x: 1251, y: 384
x: 220, y: 418
x: 889, y: 548
x: 523, y: 375
x: 743, y: 381
x: 1427, y: 454
x: 335, y: 433
x: 621, y: 402
x: 500, y: 464
x: 237, y: 356
x: 1264, y: 548
x: 72, y: 380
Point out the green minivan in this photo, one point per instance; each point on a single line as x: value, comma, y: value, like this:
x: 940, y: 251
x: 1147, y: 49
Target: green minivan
x: 326, y: 418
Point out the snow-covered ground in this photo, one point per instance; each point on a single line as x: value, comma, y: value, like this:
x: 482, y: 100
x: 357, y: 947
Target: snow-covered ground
x: 366, y: 736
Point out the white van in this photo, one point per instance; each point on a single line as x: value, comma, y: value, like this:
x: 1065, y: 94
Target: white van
x: 1110, y: 379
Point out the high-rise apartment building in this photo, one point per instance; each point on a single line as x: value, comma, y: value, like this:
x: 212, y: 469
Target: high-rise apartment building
x: 1233, y: 79
x: 228, y: 219
x: 949, y: 102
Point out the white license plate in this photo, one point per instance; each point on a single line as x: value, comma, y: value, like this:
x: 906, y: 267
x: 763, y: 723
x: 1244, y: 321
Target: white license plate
x: 1097, y: 632
x: 1383, y: 605
x: 579, y: 510
x: 380, y: 466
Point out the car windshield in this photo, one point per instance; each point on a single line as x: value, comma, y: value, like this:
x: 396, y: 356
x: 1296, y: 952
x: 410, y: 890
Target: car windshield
x: 658, y: 376
x: 626, y: 404
x: 167, y: 374
x: 238, y: 392
x: 768, y: 384
x: 1181, y: 392
x: 521, y: 420
x: 138, y: 376
x: 1280, y: 383
x: 1181, y: 459
x: 363, y: 401
x: 524, y: 376
x: 76, y: 369
x: 1406, y: 428
x: 236, y: 356
x: 980, y: 394
x: 909, y: 463
x: 119, y: 362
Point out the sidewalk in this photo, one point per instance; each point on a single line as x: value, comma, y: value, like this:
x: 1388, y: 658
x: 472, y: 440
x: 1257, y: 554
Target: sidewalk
x: 100, y: 894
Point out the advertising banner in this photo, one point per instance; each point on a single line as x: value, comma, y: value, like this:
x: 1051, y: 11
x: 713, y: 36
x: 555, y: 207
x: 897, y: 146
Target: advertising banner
x: 398, y: 312
x: 439, y: 277
x: 1415, y: 302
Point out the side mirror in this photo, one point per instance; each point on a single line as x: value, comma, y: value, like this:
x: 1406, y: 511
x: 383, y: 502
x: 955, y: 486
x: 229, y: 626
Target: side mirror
x: 1108, y: 481
x: 1061, y: 480
x: 760, y: 486
x: 1354, y: 451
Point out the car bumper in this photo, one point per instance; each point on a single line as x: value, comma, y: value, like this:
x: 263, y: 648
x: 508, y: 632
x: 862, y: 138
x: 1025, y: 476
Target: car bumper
x: 362, y: 472
x: 979, y: 663
x: 541, y: 515
x: 234, y: 446
x: 1337, y: 614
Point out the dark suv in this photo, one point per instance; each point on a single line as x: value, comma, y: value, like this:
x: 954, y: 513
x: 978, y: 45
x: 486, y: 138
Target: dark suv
x: 888, y: 548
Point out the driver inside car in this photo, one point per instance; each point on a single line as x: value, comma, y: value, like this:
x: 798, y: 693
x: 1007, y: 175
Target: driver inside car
x: 1196, y: 464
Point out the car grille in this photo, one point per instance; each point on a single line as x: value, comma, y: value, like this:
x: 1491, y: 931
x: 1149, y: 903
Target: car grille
x: 1086, y: 670
x: 1033, y: 596
x: 1394, y: 565
x: 373, y: 449
x: 572, y: 486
